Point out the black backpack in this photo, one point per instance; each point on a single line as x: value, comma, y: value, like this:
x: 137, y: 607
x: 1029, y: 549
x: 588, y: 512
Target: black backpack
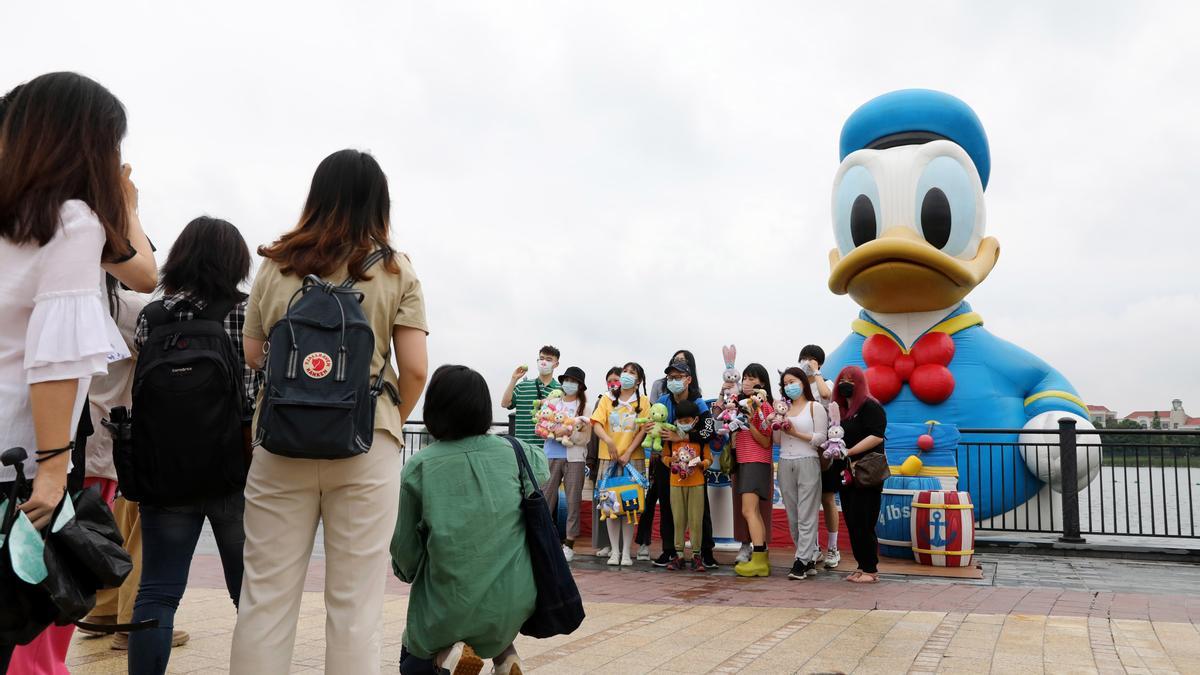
x: 189, y: 402
x: 319, y: 399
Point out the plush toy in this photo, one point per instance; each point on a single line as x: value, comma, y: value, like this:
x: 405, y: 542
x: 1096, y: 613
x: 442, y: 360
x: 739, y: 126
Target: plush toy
x: 756, y: 404
x: 835, y: 445
x: 658, y: 415
x: 685, y: 461
x: 549, y: 415
x: 581, y: 433
x: 609, y: 505
x: 728, y: 417
x: 553, y: 400
x: 731, y: 377
x: 779, y: 419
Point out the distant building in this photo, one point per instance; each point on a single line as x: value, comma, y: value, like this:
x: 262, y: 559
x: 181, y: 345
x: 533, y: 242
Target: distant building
x: 1175, y: 418
x: 1101, y: 415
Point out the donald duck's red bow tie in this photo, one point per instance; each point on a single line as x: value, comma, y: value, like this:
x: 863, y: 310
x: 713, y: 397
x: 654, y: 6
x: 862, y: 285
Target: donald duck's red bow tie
x: 923, y: 367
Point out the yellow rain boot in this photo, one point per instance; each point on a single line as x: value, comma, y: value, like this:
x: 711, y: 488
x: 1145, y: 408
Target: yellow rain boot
x: 758, y: 566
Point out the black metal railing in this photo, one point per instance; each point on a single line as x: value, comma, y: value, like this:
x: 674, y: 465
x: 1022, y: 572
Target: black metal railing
x: 416, y: 437
x: 1133, y: 482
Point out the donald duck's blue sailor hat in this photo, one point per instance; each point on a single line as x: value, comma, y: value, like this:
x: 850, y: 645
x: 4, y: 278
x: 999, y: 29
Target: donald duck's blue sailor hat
x: 911, y: 116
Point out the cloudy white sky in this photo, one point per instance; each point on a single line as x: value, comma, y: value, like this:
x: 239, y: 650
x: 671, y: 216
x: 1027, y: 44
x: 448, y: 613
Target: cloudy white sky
x: 613, y: 177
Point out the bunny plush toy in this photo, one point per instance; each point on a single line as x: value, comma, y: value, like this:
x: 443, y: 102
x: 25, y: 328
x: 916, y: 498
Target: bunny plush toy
x: 835, y: 447
x: 730, y: 377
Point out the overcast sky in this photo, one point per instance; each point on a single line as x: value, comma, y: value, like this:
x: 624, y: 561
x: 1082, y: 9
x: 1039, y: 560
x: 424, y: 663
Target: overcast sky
x: 650, y: 163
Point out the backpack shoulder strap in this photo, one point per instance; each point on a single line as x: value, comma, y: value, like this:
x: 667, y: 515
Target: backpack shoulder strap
x: 217, y: 311
x: 156, y: 314
x: 376, y: 257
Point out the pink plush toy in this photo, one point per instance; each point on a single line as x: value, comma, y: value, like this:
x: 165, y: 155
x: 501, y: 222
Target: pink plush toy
x: 684, y: 464
x: 779, y: 419
x: 726, y: 413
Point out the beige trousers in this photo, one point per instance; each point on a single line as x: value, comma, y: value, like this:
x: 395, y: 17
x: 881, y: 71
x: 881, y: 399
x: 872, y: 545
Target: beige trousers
x: 356, y: 499
x: 118, y: 602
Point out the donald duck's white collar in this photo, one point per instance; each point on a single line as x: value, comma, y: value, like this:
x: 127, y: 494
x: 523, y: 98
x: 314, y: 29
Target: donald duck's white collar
x: 908, y: 326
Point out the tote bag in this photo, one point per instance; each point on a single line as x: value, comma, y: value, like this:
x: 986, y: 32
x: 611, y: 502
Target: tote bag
x: 558, y: 609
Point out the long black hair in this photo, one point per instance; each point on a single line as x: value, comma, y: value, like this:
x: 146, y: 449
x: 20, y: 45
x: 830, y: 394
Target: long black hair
x: 693, y: 390
x: 757, y: 370
x: 209, y: 260
x: 581, y: 394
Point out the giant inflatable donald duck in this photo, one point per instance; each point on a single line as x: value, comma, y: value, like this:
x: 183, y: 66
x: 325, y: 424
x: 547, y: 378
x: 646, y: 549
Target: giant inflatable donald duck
x: 908, y: 217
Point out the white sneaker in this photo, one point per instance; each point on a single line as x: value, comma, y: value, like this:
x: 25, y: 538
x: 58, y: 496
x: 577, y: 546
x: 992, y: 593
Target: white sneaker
x: 744, y: 553
x: 832, y: 559
x: 643, y: 552
x: 604, y: 551
x: 568, y: 553
x: 626, y: 561
x: 614, y: 559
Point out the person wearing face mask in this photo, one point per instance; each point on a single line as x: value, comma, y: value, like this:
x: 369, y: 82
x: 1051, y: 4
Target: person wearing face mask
x: 521, y: 394
x: 754, y: 484
x: 812, y: 357
x: 612, y: 382
x: 686, y: 461
x: 615, y: 423
x: 864, y: 423
x: 566, y: 464
x: 800, y: 469
x: 680, y: 386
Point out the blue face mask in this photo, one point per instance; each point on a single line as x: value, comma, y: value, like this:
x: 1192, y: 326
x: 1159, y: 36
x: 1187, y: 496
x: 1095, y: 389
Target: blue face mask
x: 684, y: 428
x: 793, y: 391
x: 628, y: 381
x: 676, y: 386
x: 570, y: 388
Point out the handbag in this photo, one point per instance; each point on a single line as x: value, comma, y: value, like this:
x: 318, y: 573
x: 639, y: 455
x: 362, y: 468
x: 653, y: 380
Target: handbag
x: 558, y: 608
x: 622, y: 492
x: 870, y: 471
x: 25, y: 607
x: 728, y: 458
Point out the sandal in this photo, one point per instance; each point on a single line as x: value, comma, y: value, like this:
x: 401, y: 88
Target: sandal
x: 853, y: 575
x: 866, y: 578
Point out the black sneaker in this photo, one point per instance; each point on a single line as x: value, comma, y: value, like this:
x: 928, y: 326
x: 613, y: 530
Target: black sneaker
x: 664, y: 559
x: 810, y: 568
x: 799, y: 570
x: 709, y: 561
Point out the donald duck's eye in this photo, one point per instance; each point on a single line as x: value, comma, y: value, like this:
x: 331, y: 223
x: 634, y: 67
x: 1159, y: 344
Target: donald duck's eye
x: 946, y: 205
x: 855, y: 209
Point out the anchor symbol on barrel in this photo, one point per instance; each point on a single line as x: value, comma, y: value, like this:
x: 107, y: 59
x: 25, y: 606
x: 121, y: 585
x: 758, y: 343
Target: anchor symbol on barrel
x: 936, y: 525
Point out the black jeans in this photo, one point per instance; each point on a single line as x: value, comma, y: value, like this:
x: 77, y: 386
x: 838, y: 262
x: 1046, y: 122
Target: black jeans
x: 860, y: 508
x: 169, y: 536
x: 413, y: 665
x: 660, y: 492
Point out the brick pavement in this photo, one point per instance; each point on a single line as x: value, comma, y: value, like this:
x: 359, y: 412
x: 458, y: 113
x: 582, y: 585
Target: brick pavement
x: 648, y: 620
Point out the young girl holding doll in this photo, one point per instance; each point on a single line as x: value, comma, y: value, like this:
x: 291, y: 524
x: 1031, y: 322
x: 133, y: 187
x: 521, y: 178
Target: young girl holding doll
x: 615, y: 424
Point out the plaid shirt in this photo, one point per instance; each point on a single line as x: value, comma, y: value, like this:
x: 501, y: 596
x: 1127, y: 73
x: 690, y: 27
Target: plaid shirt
x: 234, y: 321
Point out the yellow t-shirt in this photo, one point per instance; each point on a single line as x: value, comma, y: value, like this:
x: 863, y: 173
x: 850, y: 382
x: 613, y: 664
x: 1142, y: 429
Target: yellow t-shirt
x: 388, y: 300
x: 619, y: 420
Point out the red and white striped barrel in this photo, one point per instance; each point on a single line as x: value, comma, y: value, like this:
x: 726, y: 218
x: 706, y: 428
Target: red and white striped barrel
x: 943, y: 528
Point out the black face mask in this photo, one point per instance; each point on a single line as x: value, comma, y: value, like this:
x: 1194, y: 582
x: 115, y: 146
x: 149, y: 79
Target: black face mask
x: 845, y: 389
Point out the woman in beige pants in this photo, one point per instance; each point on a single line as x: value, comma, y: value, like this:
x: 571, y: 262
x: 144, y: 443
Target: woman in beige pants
x: 345, y: 219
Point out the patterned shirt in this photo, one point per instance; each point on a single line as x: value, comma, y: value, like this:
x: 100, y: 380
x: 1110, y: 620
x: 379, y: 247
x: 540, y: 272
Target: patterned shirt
x: 234, y: 321
x: 524, y: 394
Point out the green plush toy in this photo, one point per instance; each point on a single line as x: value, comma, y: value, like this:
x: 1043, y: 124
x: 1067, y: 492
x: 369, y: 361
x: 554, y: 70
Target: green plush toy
x: 658, y: 415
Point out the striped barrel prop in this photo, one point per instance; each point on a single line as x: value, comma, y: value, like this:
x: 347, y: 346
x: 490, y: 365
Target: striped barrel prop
x: 943, y: 528
x: 893, y: 529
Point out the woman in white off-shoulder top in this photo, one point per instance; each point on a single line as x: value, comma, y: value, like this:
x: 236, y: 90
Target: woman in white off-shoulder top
x: 67, y: 215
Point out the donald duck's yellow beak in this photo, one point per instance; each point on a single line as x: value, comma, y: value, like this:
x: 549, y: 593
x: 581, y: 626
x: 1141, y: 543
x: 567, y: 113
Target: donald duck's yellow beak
x: 901, y: 272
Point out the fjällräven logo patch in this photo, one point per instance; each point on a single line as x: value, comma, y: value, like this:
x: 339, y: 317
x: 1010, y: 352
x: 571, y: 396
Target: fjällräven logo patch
x: 317, y: 365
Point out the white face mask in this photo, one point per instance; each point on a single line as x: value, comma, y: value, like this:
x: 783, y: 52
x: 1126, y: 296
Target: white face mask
x: 570, y: 388
x: 545, y: 367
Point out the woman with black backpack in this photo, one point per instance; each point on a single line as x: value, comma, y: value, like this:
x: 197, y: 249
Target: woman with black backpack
x: 201, y: 457
x: 334, y: 302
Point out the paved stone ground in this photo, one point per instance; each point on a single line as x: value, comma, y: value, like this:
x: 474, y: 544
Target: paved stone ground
x: 1029, y: 614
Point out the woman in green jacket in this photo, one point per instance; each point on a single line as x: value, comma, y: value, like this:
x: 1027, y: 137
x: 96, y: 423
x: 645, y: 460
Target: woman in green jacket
x: 460, y: 536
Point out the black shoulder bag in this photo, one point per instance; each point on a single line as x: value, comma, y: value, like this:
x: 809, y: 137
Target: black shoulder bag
x: 558, y: 609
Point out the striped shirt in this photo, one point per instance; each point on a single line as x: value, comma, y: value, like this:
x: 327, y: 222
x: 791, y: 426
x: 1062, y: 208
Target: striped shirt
x: 524, y: 394
x: 748, y: 449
